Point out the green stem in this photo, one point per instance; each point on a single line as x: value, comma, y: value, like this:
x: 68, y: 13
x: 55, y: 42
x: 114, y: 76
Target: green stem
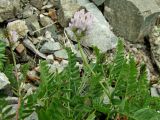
x: 19, y: 92
x: 105, y: 90
x: 84, y: 57
x: 69, y: 97
x: 14, y: 62
x: 108, y: 116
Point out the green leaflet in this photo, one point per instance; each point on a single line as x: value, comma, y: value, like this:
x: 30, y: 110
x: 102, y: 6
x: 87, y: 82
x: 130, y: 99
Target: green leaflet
x: 146, y: 114
x: 5, y: 110
x: 2, y: 55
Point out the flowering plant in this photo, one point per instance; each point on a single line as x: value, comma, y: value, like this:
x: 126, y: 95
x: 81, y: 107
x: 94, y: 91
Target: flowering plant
x: 81, y: 22
x: 13, y: 36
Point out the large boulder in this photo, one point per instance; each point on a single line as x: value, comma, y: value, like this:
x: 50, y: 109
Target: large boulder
x: 100, y: 35
x: 132, y: 19
x: 9, y: 9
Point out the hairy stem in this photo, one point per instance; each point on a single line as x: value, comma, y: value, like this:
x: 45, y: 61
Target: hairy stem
x: 84, y: 58
x: 16, y: 74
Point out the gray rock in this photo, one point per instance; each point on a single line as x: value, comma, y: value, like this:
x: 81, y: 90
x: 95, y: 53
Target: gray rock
x: 50, y: 59
x: 28, y: 11
x: 53, y: 30
x: 53, y: 1
x: 33, y: 25
x: 100, y: 35
x: 33, y: 116
x: 158, y: 2
x: 154, y: 92
x: 37, y: 40
x: 56, y: 3
x: 155, y: 46
x: 61, y: 54
x: 48, y: 6
x: 44, y: 20
x: 74, y: 49
x: 24, y: 2
x: 4, y: 82
x: 132, y: 19
x: 28, y: 44
x: 64, y: 63
x: 8, y: 9
x: 19, y: 26
x: 63, y: 2
x: 98, y: 2
x: 12, y: 100
x: 50, y: 47
x: 28, y: 88
x: 45, y: 2
x: 66, y: 12
x: 55, y: 67
x: 48, y: 35
x: 157, y: 87
x: 37, y: 3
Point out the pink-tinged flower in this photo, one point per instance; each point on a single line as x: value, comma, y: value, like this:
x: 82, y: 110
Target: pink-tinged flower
x: 81, y: 21
x: 13, y: 36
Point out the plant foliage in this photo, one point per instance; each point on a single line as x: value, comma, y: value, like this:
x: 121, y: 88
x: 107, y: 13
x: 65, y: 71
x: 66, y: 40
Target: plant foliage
x: 117, y: 90
x: 5, y: 110
x: 2, y: 55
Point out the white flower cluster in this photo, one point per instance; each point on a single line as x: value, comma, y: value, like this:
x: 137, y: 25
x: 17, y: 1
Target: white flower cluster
x: 81, y: 22
x: 13, y: 36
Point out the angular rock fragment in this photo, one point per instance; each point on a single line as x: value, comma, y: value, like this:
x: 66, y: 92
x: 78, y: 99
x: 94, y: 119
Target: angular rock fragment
x: 62, y: 54
x: 66, y: 12
x: 9, y: 9
x: 154, y: 92
x: 98, y: 2
x: 28, y: 44
x: 37, y: 3
x: 132, y: 19
x: 20, y: 48
x: 56, y: 3
x: 28, y: 11
x: 33, y: 25
x: 50, y: 59
x: 4, y: 82
x: 50, y: 47
x: 55, y: 66
x: 12, y: 100
x: 44, y: 20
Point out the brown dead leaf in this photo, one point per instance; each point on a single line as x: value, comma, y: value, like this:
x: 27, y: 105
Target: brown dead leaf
x: 52, y: 14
